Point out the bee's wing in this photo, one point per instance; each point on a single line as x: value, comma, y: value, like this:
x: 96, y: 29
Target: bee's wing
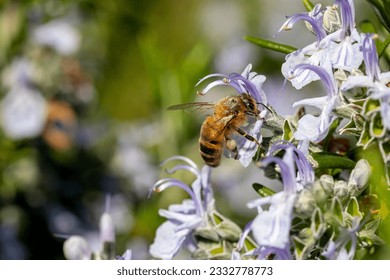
x: 192, y: 107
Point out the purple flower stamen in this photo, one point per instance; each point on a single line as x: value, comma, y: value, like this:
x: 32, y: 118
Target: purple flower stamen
x: 287, y: 172
x: 347, y: 9
x: 315, y: 23
x: 305, y: 170
x: 325, y: 77
x: 370, y: 57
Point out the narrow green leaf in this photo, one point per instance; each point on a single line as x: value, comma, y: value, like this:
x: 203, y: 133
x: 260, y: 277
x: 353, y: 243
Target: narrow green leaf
x: 262, y: 190
x: 308, y: 5
x: 270, y: 45
x: 332, y: 161
x: 383, y: 47
x: 382, y: 11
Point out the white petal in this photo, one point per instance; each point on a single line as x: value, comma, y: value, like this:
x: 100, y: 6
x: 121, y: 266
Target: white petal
x: 247, y: 149
x: 167, y: 242
x: 247, y: 70
x: 186, y: 207
x: 179, y: 217
x: 318, y: 102
x: 272, y: 227
x: 346, y: 55
x: 308, y: 128
x: 356, y: 81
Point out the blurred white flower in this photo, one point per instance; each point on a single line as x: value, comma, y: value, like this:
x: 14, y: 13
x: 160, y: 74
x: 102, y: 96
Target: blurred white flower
x: 23, y: 113
x: 183, y: 219
x: 20, y: 72
x: 77, y: 248
x: 59, y: 34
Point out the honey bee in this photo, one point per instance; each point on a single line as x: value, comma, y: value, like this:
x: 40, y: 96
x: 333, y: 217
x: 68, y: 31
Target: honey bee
x: 230, y: 113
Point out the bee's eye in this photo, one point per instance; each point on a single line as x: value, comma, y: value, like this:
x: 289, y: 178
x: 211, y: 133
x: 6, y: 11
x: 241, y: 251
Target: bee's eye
x: 251, y: 106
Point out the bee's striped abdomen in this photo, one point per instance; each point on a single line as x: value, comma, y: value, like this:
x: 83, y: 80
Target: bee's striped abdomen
x: 211, y: 143
x: 211, y: 152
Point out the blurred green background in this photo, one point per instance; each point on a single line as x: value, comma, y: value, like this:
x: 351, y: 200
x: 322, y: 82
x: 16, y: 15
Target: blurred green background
x: 107, y: 128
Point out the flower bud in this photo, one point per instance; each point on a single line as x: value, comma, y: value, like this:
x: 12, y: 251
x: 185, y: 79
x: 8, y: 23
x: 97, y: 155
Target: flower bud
x: 359, y: 178
x: 319, y: 193
x: 331, y: 20
x: 341, y: 189
x: 305, y: 203
x: 327, y: 183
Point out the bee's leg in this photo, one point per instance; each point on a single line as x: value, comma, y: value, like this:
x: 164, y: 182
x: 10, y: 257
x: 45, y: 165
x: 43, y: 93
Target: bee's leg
x: 246, y: 135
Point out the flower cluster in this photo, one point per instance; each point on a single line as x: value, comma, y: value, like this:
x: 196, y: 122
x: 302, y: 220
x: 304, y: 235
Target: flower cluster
x: 194, y: 224
x: 328, y: 207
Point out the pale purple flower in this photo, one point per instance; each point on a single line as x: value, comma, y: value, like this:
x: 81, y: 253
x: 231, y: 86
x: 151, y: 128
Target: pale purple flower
x: 246, y: 82
x: 314, y: 54
x: 375, y: 81
x: 345, y: 51
x: 347, y: 10
x: 308, y: 55
x: 313, y: 18
x: 345, y: 43
x: 305, y: 172
x: 337, y: 250
x: 338, y: 50
x: 271, y: 227
x: 183, y: 218
x: 315, y: 128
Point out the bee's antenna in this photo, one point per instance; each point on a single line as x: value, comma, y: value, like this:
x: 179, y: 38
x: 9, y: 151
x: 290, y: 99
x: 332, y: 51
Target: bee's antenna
x: 259, y: 103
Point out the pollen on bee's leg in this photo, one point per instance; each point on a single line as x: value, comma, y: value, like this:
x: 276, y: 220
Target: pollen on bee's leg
x: 231, y: 144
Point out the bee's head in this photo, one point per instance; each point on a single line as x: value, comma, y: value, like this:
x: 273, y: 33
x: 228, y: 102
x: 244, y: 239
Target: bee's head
x: 250, y: 104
